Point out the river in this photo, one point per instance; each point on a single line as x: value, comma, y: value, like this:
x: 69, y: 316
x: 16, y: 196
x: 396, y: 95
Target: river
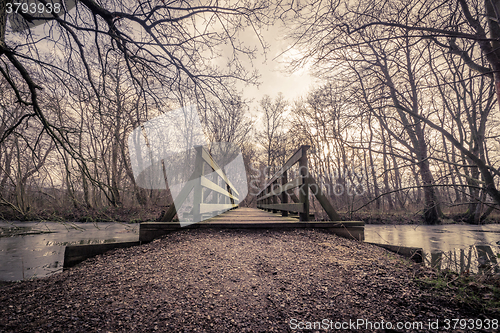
x: 450, y: 246
x: 39, y: 251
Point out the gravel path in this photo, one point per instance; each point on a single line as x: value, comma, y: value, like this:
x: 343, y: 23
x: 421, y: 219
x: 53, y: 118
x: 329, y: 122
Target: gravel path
x: 226, y: 281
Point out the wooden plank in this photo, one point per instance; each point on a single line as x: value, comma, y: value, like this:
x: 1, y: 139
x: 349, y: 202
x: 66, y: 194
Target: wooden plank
x: 231, y: 198
x: 274, y: 198
x: 181, y: 197
x: 323, y: 200
x: 284, y: 196
x: 197, y: 176
x: 293, y: 196
x: 197, y: 190
x: 291, y: 207
x: 231, y: 219
x: 206, y: 156
x: 285, y: 188
x: 294, y: 159
x: 169, y: 215
x: 414, y: 253
x: 151, y: 230
x: 357, y: 233
x: 304, y: 188
x: 251, y: 218
x: 205, y: 182
x: 75, y: 254
x: 207, y: 208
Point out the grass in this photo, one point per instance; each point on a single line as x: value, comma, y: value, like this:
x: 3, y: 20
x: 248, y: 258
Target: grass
x: 480, y: 292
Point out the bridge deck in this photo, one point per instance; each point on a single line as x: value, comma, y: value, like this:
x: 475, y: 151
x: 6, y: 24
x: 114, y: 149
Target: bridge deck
x: 252, y: 218
x: 241, y: 218
x: 253, y: 215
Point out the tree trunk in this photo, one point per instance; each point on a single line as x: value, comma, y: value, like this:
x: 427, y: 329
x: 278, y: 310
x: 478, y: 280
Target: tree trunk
x: 431, y: 209
x: 388, y: 196
x: 374, y: 173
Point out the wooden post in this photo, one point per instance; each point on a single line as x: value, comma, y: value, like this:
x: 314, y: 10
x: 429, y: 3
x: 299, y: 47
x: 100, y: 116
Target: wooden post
x: 323, y: 200
x: 266, y: 200
x: 274, y: 197
x: 269, y: 199
x: 216, y: 198
x: 198, y: 189
x: 304, y: 188
x: 228, y: 189
x: 222, y: 198
x: 284, y: 196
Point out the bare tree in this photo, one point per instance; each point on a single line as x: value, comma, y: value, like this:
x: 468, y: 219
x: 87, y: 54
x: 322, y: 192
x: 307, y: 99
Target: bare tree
x: 324, y: 122
x: 227, y: 121
x: 468, y: 101
x: 328, y: 33
x: 103, y: 68
x: 272, y: 135
x: 171, y: 43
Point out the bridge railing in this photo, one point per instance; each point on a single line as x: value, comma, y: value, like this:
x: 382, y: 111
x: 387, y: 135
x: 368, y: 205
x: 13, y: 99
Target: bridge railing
x: 224, y: 197
x: 275, y: 194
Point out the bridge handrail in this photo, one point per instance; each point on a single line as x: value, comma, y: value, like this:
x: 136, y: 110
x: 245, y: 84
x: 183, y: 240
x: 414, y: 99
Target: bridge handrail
x: 199, y: 183
x: 267, y: 198
x: 205, y: 155
x: 291, y: 162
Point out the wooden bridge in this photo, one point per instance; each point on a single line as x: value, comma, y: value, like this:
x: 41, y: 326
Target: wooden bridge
x: 282, y: 203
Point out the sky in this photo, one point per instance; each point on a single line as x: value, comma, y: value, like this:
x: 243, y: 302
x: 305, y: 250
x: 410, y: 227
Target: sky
x: 271, y: 67
x: 274, y: 77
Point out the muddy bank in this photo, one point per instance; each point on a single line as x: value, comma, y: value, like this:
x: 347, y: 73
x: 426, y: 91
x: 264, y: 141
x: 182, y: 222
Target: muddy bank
x: 228, y: 281
x: 399, y: 218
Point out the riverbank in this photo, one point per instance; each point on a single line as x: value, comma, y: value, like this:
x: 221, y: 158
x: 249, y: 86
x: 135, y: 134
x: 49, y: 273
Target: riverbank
x: 152, y: 213
x: 82, y: 214
x: 411, y: 218
x: 230, y: 281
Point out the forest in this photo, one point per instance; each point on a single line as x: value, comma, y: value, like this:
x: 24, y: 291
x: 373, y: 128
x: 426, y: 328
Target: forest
x: 402, y: 118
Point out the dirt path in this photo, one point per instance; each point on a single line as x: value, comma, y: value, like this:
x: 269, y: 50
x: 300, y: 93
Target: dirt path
x: 228, y: 281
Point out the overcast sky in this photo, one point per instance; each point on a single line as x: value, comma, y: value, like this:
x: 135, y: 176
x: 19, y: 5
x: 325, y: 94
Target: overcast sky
x: 271, y: 66
x: 274, y: 78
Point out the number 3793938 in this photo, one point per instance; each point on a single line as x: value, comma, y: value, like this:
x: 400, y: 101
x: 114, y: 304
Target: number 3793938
x: 32, y: 7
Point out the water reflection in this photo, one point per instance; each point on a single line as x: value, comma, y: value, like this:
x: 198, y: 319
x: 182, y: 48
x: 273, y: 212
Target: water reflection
x: 461, y: 248
x: 478, y: 258
x: 36, y: 254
